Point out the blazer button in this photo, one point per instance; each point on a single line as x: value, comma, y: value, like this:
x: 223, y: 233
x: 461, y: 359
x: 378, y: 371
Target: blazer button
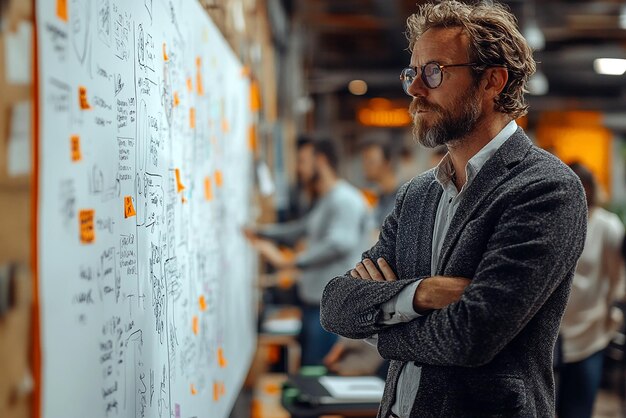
x: 370, y: 316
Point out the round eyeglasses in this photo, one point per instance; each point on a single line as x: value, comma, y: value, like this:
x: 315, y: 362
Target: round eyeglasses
x: 431, y: 74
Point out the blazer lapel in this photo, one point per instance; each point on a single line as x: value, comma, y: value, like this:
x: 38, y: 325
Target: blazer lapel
x: 417, y: 223
x: 510, y: 153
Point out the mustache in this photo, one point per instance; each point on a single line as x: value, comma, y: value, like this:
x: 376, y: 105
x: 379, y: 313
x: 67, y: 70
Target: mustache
x: 419, y: 103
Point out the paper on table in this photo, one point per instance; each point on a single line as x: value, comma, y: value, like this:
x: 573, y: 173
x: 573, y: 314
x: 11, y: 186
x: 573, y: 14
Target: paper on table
x: 362, y: 388
x: 17, y: 54
x: 18, y: 153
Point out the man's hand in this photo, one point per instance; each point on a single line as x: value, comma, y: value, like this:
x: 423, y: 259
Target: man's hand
x: 333, y: 357
x: 367, y: 270
x: 438, y: 292
x: 250, y: 234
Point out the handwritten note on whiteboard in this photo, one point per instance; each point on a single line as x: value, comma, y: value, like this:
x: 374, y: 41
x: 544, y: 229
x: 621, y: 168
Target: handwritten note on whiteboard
x: 147, y: 304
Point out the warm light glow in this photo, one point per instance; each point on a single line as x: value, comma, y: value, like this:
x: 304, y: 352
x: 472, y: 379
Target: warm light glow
x: 383, y: 113
x: 357, y: 87
x: 610, y: 66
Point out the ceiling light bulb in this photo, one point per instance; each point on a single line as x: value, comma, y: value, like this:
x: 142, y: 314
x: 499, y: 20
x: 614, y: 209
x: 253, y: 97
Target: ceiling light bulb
x: 357, y: 87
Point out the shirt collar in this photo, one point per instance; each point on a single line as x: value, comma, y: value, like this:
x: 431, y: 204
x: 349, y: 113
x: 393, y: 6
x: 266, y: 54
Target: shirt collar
x: 444, y: 172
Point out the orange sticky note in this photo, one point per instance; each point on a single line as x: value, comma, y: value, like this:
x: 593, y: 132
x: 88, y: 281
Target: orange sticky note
x: 165, y: 57
x: 252, y: 138
x: 222, y: 389
x: 192, y: 118
x: 189, y: 84
x: 176, y: 99
x: 219, y: 180
x: 221, y: 360
x: 225, y: 125
x: 86, y: 226
x: 216, y: 391
x: 82, y: 98
x: 193, y: 389
x: 202, y: 303
x: 199, y: 85
x: 208, y: 192
x: 129, y: 209
x: 75, y: 148
x: 62, y: 10
x: 255, y: 96
x: 195, y: 325
x: 245, y: 71
x: 179, y: 184
x: 183, y: 200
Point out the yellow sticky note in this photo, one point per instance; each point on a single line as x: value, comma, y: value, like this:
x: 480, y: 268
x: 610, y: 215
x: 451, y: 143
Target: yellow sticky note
x: 192, y: 118
x: 208, y: 192
x: 165, y: 57
x: 62, y: 10
x: 189, y: 85
x: 179, y: 185
x: 193, y: 389
x: 219, y: 180
x: 86, y: 226
x: 176, y: 99
x: 195, y: 325
x: 75, y: 153
x: 221, y: 360
x: 129, y: 209
x: 82, y: 98
x: 202, y: 303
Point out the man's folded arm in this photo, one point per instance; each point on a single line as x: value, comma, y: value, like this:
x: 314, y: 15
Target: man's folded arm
x: 534, y: 246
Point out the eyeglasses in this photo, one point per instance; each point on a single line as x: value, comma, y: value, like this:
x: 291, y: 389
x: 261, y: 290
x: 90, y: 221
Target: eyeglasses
x: 431, y: 74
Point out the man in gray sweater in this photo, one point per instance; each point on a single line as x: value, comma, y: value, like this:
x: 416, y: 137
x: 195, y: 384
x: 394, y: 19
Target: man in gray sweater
x: 336, y: 232
x: 465, y: 289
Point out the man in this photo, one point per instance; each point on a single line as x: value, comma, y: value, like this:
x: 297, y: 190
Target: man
x: 300, y: 195
x: 378, y: 168
x: 335, y: 230
x: 465, y: 289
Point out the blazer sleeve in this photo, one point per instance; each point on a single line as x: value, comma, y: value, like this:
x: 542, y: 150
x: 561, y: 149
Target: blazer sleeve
x: 534, y: 246
x: 351, y: 307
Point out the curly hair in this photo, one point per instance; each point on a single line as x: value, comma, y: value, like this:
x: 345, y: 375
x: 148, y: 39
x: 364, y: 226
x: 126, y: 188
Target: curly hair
x: 495, y: 40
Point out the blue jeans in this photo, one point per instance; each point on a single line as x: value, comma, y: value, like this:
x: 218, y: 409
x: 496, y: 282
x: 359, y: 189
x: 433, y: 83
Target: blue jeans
x: 315, y: 341
x: 578, y: 386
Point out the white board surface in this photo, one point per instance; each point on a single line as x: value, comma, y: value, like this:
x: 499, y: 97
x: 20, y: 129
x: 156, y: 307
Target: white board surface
x: 145, y: 281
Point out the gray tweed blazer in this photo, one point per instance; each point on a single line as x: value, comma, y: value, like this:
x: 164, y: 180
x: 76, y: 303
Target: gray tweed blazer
x: 517, y: 234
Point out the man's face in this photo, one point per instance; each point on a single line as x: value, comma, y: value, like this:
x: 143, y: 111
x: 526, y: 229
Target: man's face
x: 451, y: 111
x: 305, y: 166
x: 373, y: 163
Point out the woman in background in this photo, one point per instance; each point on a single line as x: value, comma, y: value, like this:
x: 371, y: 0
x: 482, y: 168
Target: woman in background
x: 590, y: 320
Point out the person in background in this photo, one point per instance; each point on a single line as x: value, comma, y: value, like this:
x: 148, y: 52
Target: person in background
x: 301, y: 197
x: 356, y: 357
x: 378, y: 168
x: 465, y: 288
x: 336, y: 232
x: 590, y: 320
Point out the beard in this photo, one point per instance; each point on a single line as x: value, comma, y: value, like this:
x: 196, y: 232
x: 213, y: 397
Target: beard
x: 449, y: 127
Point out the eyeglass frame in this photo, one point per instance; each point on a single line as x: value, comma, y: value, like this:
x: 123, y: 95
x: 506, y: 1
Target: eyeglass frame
x: 441, y: 68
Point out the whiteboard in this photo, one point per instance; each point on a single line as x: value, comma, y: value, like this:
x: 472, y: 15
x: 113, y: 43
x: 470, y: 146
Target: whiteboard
x: 146, y: 292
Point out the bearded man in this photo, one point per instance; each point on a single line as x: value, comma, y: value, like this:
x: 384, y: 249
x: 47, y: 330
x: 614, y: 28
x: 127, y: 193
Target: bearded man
x: 465, y: 288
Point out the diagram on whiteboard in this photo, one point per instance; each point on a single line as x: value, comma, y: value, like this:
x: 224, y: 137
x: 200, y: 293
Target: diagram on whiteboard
x: 145, y: 281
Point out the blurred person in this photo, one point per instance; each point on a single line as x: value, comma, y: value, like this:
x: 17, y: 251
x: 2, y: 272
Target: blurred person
x: 407, y: 166
x: 336, y: 230
x: 355, y: 357
x: 300, y: 194
x: 590, y: 320
x: 378, y: 168
x: 466, y: 287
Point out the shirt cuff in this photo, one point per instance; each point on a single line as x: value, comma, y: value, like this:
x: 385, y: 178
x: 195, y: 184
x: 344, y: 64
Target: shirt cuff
x: 399, y: 308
